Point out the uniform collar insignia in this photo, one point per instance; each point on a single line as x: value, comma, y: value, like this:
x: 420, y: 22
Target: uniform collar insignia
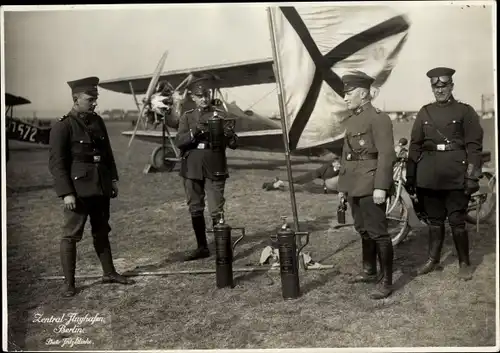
x: 361, y: 108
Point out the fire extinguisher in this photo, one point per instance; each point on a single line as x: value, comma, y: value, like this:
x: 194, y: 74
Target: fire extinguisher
x: 341, y: 210
x: 224, y: 252
x: 217, y: 143
x: 289, y: 260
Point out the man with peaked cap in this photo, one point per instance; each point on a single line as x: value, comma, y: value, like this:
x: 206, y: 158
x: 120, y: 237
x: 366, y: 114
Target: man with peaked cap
x: 85, y: 176
x: 365, y: 178
x: 444, y: 163
x: 197, y: 167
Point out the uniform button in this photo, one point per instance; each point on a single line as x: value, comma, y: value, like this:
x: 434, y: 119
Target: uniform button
x: 81, y: 141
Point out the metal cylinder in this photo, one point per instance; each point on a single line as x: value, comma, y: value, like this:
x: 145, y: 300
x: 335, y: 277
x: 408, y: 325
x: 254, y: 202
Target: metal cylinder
x: 217, y: 144
x: 341, y: 211
x: 289, y: 264
x: 223, y: 255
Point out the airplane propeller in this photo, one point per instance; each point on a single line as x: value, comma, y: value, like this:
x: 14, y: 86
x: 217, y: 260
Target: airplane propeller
x: 147, y: 99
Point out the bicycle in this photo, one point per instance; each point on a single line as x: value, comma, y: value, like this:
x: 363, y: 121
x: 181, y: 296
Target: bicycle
x: 405, y: 209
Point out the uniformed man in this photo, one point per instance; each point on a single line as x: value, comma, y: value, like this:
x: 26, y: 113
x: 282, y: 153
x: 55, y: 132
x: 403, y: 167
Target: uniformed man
x: 85, y: 176
x: 444, y: 162
x: 365, y: 178
x: 198, y: 167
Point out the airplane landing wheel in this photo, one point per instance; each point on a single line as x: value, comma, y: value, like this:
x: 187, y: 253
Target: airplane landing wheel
x: 157, y: 159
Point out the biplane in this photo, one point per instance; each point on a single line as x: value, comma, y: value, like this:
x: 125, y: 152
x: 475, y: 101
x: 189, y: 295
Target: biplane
x: 255, y: 132
x: 19, y: 130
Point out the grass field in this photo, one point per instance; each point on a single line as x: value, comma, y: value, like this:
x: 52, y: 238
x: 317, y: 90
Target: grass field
x: 151, y: 227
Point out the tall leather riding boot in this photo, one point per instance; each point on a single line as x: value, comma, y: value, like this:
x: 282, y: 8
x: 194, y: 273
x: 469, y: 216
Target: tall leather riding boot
x: 369, y: 256
x: 103, y: 250
x: 461, y: 240
x: 68, y: 263
x: 202, y: 251
x: 386, y: 251
x: 436, y: 240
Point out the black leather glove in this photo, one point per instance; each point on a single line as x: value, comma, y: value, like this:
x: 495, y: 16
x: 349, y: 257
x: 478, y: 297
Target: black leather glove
x: 229, y: 133
x: 199, y: 131
x: 472, y: 179
x: 410, y: 186
x: 471, y: 186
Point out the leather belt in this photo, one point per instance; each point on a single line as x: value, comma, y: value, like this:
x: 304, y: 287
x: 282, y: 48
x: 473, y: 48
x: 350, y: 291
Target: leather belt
x: 362, y: 157
x: 88, y: 159
x: 443, y: 147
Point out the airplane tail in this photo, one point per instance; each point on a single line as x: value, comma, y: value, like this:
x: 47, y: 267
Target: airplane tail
x: 26, y: 132
x: 315, y: 46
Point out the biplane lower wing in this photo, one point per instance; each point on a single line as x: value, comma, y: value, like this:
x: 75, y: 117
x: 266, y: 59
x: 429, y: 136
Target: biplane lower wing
x: 263, y: 140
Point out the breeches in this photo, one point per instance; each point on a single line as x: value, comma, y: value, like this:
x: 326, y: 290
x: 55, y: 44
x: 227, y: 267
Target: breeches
x: 369, y: 218
x: 441, y: 204
x: 96, y: 208
x: 195, y: 195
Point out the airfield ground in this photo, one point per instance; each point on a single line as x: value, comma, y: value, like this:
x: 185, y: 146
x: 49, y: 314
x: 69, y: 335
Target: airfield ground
x: 151, y: 227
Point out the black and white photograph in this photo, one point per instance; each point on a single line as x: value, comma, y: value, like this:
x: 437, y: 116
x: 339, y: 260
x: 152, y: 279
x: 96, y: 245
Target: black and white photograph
x: 282, y: 177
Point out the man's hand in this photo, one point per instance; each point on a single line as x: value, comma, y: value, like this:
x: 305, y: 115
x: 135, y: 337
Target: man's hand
x: 379, y: 196
x: 114, y: 190
x: 199, y: 130
x: 70, y: 202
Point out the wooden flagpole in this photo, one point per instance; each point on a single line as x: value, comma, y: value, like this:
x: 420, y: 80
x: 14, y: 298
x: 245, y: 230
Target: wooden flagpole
x: 283, y: 114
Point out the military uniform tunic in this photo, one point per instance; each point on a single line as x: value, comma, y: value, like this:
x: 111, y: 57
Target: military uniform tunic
x: 367, y: 164
x: 431, y: 164
x: 445, y: 139
x: 81, y: 162
x: 368, y: 153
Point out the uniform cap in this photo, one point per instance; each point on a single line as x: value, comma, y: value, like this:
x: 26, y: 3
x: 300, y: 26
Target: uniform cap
x: 357, y: 79
x: 199, y: 88
x: 440, y: 71
x: 440, y: 76
x: 86, y: 85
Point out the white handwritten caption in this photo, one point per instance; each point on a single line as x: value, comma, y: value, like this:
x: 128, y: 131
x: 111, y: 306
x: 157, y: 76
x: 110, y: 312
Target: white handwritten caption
x: 69, y: 323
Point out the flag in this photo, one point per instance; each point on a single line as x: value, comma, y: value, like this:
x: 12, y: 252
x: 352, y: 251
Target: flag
x: 314, y: 46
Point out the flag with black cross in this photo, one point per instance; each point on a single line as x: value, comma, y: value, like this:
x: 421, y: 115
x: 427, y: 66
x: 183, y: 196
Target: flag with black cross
x: 314, y: 46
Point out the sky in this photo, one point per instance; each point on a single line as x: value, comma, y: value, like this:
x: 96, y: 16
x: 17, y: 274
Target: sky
x: 45, y: 49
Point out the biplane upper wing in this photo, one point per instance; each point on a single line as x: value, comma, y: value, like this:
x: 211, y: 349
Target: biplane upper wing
x: 229, y: 75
